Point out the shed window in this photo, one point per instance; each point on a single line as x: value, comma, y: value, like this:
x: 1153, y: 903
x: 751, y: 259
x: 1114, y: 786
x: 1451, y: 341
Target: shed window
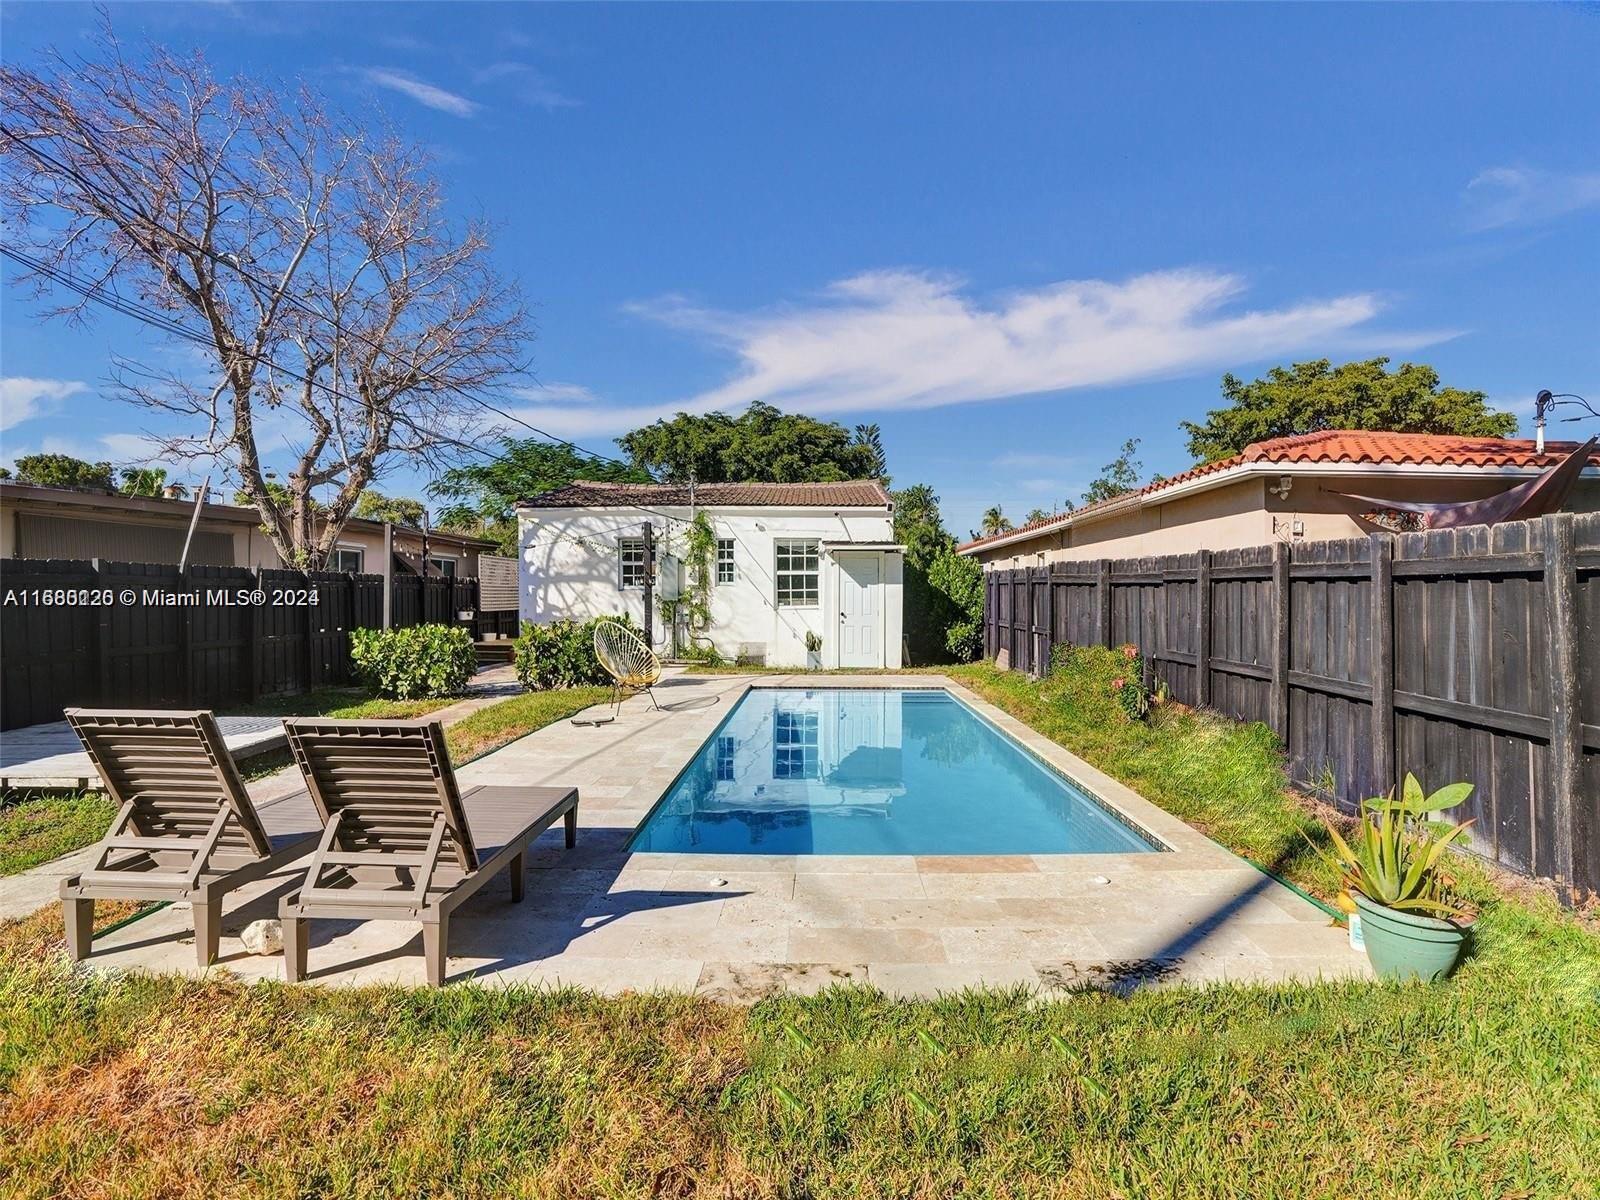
x: 796, y: 573
x: 630, y: 562
x: 726, y: 571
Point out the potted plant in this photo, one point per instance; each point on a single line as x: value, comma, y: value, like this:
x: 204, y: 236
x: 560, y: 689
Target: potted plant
x: 813, y: 651
x: 1393, y: 868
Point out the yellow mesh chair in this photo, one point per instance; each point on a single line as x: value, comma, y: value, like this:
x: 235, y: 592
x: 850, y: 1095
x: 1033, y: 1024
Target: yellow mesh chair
x: 630, y: 663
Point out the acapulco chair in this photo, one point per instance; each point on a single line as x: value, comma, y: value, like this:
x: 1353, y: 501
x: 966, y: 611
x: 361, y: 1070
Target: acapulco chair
x: 630, y: 663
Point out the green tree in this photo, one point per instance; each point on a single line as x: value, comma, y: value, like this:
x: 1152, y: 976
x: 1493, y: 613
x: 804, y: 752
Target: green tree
x: 919, y: 527
x: 143, y: 481
x: 483, y: 496
x: 1313, y: 396
x: 62, y: 470
x: 995, y: 521
x: 871, y: 437
x: 399, y: 510
x: 1118, y: 477
x: 1036, y: 514
x: 918, y: 524
x: 761, y: 444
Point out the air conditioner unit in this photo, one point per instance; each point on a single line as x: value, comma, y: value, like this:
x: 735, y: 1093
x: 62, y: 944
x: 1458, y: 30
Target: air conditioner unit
x: 752, y: 654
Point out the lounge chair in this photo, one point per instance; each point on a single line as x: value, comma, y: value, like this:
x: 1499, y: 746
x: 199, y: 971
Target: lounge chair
x: 185, y: 830
x: 400, y: 841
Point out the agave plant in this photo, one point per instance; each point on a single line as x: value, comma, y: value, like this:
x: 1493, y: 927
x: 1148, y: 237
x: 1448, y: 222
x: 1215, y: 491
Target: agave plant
x: 1395, y: 858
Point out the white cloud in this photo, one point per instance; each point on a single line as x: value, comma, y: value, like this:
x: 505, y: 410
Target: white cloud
x: 1504, y: 196
x: 23, y: 399
x: 419, y: 90
x: 557, y: 393
x: 528, y: 84
x: 1033, y: 462
x: 912, y: 340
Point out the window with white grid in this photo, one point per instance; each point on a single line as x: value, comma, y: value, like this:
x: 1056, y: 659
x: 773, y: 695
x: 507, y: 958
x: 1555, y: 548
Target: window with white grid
x: 796, y: 572
x: 726, y: 571
x: 630, y: 562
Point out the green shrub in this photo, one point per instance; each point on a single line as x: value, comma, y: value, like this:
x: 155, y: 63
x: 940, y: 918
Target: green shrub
x: 561, y: 654
x: 416, y: 662
x: 956, y: 584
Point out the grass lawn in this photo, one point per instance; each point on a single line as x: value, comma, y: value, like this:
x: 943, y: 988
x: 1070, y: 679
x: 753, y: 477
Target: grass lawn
x: 1488, y: 1086
x: 47, y: 825
x: 490, y: 728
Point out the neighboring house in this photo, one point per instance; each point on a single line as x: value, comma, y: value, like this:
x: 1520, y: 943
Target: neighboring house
x: 790, y: 559
x: 1285, y: 489
x: 79, y: 523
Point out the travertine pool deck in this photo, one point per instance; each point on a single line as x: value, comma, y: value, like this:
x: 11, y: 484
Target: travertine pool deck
x: 743, y: 926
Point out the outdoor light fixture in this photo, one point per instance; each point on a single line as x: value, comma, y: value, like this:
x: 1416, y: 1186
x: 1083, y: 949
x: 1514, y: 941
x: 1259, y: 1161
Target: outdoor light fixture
x: 1545, y: 401
x: 1285, y: 483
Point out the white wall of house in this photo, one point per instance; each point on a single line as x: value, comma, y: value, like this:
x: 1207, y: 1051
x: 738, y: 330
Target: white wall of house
x: 571, y: 569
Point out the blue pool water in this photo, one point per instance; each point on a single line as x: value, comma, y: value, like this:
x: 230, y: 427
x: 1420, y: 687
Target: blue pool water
x: 818, y: 771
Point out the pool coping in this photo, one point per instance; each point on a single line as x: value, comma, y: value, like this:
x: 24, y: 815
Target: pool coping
x: 1175, y: 839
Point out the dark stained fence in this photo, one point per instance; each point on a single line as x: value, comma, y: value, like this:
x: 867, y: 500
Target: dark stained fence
x: 136, y: 635
x: 1454, y: 654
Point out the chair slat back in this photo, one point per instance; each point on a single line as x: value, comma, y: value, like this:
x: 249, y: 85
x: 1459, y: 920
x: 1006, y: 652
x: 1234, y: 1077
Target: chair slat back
x: 174, y: 770
x: 624, y: 655
x: 386, y: 780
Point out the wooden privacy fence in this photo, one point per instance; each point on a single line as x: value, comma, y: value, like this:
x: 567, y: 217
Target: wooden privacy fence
x: 1467, y: 654
x: 129, y: 635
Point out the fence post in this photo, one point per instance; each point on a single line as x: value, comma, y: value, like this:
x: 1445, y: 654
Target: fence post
x: 1202, y: 630
x: 1566, y: 745
x: 1102, y: 601
x: 1048, y: 646
x: 1280, y: 640
x: 1381, y: 637
x: 988, y: 616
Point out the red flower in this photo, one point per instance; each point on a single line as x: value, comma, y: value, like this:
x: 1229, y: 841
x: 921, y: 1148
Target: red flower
x: 1130, y: 652
x: 1118, y: 683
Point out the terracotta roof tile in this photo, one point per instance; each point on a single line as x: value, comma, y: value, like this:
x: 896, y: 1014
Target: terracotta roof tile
x: 1356, y: 446
x: 857, y: 493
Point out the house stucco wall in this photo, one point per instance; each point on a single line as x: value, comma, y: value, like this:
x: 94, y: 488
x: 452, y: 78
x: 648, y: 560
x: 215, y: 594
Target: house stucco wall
x: 1245, y: 513
x: 569, y: 570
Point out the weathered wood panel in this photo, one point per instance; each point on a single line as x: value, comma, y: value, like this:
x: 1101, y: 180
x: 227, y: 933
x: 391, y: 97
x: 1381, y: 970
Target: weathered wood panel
x: 1454, y: 654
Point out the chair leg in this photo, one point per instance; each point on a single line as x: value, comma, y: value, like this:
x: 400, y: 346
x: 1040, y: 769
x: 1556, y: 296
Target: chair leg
x: 653, y: 699
x: 435, y: 943
x: 518, y: 871
x: 572, y: 827
x: 79, y: 914
x: 207, y: 930
x: 294, y: 948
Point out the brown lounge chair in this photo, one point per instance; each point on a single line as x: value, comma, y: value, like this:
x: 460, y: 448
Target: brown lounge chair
x: 400, y: 841
x: 186, y: 830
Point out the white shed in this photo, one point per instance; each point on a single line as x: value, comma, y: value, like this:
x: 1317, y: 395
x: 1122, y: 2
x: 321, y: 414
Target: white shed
x: 789, y: 559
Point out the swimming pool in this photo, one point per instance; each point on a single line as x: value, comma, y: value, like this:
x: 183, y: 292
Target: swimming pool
x: 870, y: 771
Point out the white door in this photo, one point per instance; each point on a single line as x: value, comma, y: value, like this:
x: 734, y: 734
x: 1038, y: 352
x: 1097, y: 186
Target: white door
x: 860, y: 610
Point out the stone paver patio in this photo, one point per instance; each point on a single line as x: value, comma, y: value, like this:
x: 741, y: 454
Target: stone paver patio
x: 743, y: 926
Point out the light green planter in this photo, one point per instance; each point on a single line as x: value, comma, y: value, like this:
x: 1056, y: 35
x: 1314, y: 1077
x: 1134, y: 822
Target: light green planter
x: 1403, y: 945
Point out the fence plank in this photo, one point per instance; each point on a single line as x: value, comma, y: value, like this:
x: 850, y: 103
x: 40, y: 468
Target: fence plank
x: 1380, y: 637
x: 1566, y: 735
x: 1280, y: 639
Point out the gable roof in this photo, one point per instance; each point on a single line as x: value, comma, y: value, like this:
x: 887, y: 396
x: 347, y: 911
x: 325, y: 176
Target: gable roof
x: 1353, y: 447
x: 856, y: 493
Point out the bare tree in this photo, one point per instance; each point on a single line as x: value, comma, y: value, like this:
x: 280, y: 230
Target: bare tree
x: 338, y: 306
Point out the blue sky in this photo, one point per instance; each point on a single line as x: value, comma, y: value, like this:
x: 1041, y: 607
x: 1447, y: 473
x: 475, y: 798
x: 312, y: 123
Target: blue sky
x: 1012, y: 236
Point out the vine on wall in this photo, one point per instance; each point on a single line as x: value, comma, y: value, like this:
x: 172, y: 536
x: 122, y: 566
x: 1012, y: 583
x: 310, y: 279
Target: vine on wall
x: 693, y: 604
